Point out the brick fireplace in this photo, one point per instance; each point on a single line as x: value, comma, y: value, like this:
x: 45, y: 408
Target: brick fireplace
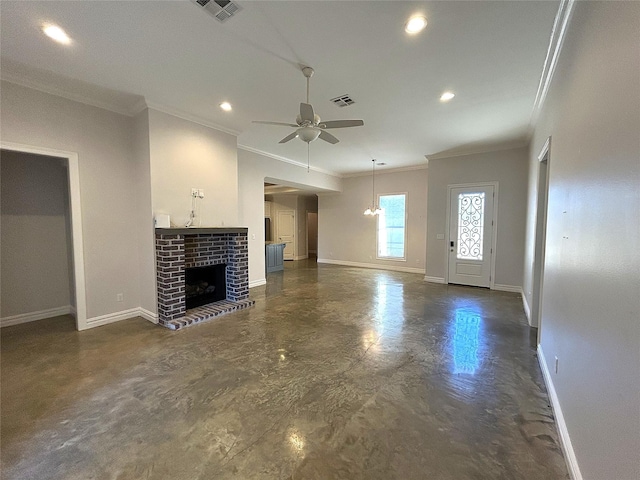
x: 180, y: 248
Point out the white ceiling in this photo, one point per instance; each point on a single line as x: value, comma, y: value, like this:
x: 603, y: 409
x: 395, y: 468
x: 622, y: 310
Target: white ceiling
x: 180, y: 59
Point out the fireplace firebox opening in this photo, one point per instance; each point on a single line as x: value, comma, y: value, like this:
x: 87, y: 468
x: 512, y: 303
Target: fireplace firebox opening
x: 205, y: 285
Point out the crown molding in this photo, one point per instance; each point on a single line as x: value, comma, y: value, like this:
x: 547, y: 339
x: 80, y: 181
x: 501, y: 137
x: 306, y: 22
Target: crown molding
x: 558, y: 33
x: 188, y: 116
x: 288, y: 160
x: 59, y: 92
x: 479, y: 150
x: 387, y: 170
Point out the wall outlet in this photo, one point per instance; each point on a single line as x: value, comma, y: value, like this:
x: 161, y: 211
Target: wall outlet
x: 556, y: 365
x: 253, y: 236
x: 200, y: 193
x: 119, y: 297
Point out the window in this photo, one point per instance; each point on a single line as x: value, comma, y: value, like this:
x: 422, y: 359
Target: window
x: 392, y: 226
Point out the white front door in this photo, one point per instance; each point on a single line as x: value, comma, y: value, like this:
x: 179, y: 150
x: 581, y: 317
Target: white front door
x: 287, y: 232
x: 471, y: 235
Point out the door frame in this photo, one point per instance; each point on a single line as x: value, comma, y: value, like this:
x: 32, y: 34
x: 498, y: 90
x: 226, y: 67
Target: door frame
x: 494, y: 228
x: 540, y: 229
x: 77, y: 242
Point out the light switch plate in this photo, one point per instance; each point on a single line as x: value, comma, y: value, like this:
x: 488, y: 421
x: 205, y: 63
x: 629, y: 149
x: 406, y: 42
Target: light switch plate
x: 440, y: 236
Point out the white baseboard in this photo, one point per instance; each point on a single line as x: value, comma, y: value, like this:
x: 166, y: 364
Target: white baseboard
x: 371, y: 265
x: 116, y: 317
x: 147, y: 315
x: 565, y: 440
x: 34, y: 316
x: 433, y: 279
x: 507, y: 288
x: 257, y: 283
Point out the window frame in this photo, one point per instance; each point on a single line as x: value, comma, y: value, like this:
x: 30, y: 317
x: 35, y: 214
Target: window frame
x: 406, y: 227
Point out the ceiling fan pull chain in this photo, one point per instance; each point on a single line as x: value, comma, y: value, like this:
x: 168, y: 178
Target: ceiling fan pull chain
x: 308, y: 155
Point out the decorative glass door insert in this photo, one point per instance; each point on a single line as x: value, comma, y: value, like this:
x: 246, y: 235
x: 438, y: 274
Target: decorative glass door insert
x: 470, y: 225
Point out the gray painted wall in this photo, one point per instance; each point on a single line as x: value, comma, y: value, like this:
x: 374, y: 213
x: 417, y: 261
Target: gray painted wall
x: 591, y: 284
x: 35, y: 238
x: 103, y: 142
x: 507, y: 167
x: 253, y: 168
x: 345, y: 234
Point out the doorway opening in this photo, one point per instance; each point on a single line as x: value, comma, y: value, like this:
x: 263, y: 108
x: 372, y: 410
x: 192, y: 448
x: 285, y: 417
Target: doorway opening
x: 70, y: 201
x: 540, y: 237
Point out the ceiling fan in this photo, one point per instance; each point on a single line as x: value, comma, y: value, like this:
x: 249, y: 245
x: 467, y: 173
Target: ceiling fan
x: 309, y: 125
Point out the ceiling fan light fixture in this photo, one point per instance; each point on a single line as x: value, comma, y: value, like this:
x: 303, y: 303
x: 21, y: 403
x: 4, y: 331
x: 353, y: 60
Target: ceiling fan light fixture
x: 308, y: 134
x: 415, y: 24
x: 226, y: 106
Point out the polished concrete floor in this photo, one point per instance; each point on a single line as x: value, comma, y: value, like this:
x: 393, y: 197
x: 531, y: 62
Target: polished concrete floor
x: 336, y: 373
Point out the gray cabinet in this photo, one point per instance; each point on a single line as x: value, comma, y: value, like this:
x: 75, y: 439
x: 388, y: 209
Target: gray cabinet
x: 274, y: 257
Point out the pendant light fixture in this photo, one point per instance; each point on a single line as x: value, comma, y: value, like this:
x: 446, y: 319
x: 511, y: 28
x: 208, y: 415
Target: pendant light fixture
x: 374, y: 209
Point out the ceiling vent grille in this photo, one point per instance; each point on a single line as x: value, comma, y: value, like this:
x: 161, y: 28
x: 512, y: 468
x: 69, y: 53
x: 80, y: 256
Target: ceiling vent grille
x: 343, y: 101
x: 221, y: 9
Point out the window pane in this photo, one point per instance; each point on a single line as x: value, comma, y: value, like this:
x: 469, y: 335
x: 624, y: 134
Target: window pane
x: 470, y: 225
x: 391, y: 226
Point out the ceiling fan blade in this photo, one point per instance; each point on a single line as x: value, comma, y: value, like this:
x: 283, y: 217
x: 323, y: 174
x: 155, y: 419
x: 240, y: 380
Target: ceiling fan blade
x: 291, y: 136
x: 327, y: 137
x: 306, y: 112
x: 277, y: 123
x: 342, y: 123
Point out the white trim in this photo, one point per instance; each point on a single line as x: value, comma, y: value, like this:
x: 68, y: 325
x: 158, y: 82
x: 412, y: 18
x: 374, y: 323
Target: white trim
x: 371, y: 265
x: 113, y: 317
x: 34, y: 316
x: 58, y: 92
x: 527, y: 309
x: 563, y: 431
x: 480, y: 149
x: 288, y: 160
x: 388, y: 170
x: 189, y: 117
x: 556, y: 41
x: 148, y: 315
x: 76, y: 221
x: 257, y: 283
x: 507, y: 288
x: 434, y: 279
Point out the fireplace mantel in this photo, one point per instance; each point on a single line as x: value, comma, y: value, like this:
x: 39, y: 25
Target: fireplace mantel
x: 200, y: 230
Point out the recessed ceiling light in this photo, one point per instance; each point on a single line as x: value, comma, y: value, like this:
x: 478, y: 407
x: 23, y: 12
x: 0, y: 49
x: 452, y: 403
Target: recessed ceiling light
x: 226, y: 106
x: 416, y: 24
x: 56, y: 33
x: 446, y: 96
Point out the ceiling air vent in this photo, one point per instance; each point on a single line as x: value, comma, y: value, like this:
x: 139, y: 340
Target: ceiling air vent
x: 343, y: 101
x: 221, y: 9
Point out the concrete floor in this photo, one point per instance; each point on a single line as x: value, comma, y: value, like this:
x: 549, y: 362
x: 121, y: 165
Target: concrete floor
x: 336, y: 373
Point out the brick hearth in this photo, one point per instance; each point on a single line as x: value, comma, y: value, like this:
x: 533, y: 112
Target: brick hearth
x: 180, y: 248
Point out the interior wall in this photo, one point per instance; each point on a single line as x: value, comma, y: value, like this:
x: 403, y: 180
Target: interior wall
x: 146, y: 243
x: 507, y: 167
x: 253, y: 168
x: 346, y: 235
x: 590, y: 301
x: 34, y: 234
x: 186, y: 155
x: 103, y: 142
